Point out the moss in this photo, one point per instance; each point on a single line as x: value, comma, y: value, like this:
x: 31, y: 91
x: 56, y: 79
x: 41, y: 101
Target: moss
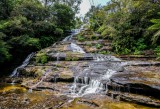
x: 42, y: 58
x: 72, y: 57
x: 89, y: 44
x: 104, y: 52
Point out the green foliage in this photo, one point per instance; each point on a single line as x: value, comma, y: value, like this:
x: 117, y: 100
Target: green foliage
x: 157, y: 50
x: 78, y: 22
x: 89, y: 44
x: 98, y: 46
x: 6, y: 8
x: 104, y: 52
x: 26, y: 41
x: 80, y: 38
x: 71, y: 57
x: 32, y: 25
x: 41, y: 58
x: 4, y: 49
x: 155, y: 26
x: 126, y: 22
x: 64, y: 16
x: 139, y: 46
x: 125, y: 51
x: 58, y: 31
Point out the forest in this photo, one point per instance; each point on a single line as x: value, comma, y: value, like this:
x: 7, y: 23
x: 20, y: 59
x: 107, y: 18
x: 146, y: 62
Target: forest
x: 30, y: 25
x: 132, y: 25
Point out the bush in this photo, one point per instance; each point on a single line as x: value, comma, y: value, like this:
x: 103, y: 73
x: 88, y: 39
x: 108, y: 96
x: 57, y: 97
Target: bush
x: 80, y: 38
x: 104, y: 52
x: 58, y: 31
x: 98, y: 46
x: 126, y: 51
x: 41, y: 58
x: 26, y: 41
x: 139, y: 46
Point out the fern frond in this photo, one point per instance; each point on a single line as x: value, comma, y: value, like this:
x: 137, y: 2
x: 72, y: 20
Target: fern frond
x: 155, y: 37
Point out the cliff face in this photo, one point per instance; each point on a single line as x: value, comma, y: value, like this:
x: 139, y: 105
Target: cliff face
x: 75, y: 68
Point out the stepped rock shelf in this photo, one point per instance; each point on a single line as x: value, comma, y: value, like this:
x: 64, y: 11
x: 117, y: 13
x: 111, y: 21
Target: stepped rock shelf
x: 65, y: 76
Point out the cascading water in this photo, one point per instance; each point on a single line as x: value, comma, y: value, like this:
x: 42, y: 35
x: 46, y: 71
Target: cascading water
x: 73, y: 32
x: 24, y: 64
x: 76, y: 48
x: 90, y: 85
x: 68, y: 38
x: 100, y: 57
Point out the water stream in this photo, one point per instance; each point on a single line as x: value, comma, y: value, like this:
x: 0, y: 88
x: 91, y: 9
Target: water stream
x: 86, y: 84
x: 24, y: 64
x: 76, y: 48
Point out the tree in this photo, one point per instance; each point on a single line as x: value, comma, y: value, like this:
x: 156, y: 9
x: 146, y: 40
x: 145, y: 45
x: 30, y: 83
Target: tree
x: 64, y: 16
x: 6, y: 7
x: 125, y: 22
x: 4, y: 49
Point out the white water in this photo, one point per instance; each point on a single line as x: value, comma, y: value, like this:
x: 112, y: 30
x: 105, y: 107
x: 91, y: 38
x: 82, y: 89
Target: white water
x: 94, y: 86
x: 76, y: 48
x: 24, y: 64
x: 68, y: 38
x: 100, y: 57
x: 108, y: 74
x: 74, y: 32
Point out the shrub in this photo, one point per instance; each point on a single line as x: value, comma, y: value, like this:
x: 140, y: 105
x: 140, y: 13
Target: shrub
x: 126, y: 51
x: 104, y: 52
x: 98, y: 46
x: 41, y: 58
x: 139, y: 46
x: 80, y: 38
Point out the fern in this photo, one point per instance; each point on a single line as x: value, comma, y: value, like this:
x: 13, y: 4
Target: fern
x: 155, y: 26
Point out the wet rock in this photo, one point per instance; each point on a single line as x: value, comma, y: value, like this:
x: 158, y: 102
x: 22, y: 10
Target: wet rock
x: 69, y: 80
x: 13, y: 80
x: 70, y: 57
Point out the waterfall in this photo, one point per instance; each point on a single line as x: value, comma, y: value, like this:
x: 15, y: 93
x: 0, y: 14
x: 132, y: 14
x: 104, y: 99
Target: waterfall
x: 73, y: 32
x: 100, y: 57
x: 76, y: 48
x: 90, y: 85
x: 68, y: 38
x: 24, y: 64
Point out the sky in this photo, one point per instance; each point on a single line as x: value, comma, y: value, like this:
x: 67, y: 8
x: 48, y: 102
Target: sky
x: 86, y: 4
